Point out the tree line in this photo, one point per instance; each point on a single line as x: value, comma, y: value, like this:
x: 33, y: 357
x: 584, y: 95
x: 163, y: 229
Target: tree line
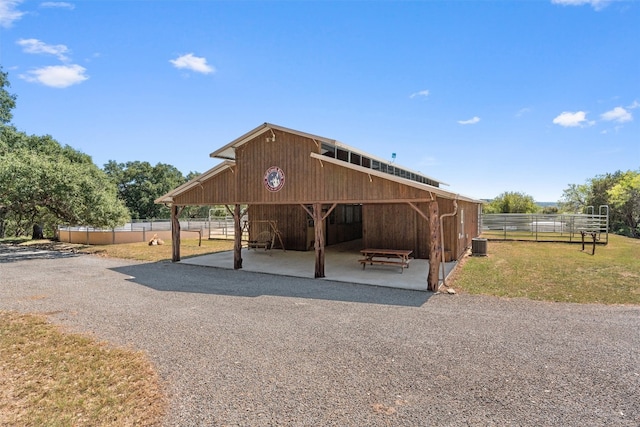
x: 619, y: 190
x: 46, y: 184
x: 43, y: 182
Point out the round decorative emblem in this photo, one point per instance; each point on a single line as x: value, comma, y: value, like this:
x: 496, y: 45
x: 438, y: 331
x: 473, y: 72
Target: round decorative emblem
x: 274, y: 178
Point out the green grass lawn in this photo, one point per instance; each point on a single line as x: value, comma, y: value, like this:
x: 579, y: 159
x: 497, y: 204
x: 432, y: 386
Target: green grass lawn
x: 555, y: 272
x: 540, y: 271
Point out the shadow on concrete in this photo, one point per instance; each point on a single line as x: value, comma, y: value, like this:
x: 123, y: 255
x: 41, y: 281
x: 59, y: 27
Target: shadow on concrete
x: 11, y: 253
x: 170, y: 277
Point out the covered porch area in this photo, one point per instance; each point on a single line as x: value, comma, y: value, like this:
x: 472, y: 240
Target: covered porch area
x: 341, y: 266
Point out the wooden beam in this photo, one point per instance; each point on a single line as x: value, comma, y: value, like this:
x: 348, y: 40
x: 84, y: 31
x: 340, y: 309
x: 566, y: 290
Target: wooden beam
x: 237, y: 238
x: 435, y: 243
x: 307, y: 210
x: 345, y: 201
x: 329, y: 211
x: 175, y: 232
x: 435, y: 247
x: 422, y: 214
x: 318, y: 224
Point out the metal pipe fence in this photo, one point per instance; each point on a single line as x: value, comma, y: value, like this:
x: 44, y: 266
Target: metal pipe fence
x: 545, y: 227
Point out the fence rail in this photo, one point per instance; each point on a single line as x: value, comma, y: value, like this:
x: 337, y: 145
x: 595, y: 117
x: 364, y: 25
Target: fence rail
x: 545, y: 227
x: 142, y: 231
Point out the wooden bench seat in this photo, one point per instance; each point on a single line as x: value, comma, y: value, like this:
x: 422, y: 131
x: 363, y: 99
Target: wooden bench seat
x: 264, y: 241
x: 398, y: 257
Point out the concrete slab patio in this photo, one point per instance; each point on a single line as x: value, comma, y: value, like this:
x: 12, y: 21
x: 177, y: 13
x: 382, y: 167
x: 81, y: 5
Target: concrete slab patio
x: 341, y: 265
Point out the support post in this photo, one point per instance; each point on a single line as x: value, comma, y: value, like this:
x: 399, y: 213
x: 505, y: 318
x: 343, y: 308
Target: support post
x: 237, y: 238
x: 175, y: 233
x: 435, y: 247
x: 318, y: 224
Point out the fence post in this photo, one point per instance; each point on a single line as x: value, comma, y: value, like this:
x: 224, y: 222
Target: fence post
x: 113, y: 236
x: 505, y: 227
x: 144, y: 234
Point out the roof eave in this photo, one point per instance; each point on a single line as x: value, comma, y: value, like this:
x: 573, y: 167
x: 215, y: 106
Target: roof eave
x: 168, y: 198
x: 426, y: 187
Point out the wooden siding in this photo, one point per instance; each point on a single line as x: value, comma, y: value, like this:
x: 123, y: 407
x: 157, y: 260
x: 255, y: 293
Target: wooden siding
x: 292, y: 223
x: 217, y: 190
x: 398, y: 226
x: 390, y: 226
x: 296, y: 225
x: 288, y: 152
x: 344, y: 224
x: 387, y: 221
x: 336, y: 183
x: 460, y: 229
x: 308, y: 180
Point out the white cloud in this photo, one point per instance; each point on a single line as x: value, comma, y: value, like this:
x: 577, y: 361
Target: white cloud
x: 58, y: 4
x: 634, y: 105
x: 618, y: 114
x: 472, y: 121
x: 596, y: 4
x: 193, y: 63
x: 424, y: 93
x: 36, y: 46
x: 568, y: 119
x: 58, y: 76
x: 9, y: 12
x: 521, y: 112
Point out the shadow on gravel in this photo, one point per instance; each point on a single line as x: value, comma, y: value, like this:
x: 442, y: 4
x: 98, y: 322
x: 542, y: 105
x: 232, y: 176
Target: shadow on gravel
x: 10, y: 253
x: 169, y: 277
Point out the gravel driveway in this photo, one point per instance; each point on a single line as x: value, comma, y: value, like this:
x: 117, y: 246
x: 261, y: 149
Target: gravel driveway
x: 248, y: 349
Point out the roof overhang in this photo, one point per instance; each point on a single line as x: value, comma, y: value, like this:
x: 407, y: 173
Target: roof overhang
x: 228, y: 152
x: 431, y: 189
x: 168, y: 198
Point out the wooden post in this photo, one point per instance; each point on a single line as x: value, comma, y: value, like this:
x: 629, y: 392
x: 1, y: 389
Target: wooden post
x: 237, y: 238
x: 318, y: 224
x: 435, y: 247
x: 175, y: 233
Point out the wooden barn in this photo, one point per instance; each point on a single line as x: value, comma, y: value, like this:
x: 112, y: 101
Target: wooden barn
x: 310, y: 192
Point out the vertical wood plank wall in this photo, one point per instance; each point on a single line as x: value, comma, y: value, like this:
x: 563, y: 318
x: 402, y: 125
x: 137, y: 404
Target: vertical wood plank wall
x: 392, y: 226
x: 398, y: 226
x: 219, y: 190
x: 291, y: 220
x: 289, y: 152
x: 307, y: 180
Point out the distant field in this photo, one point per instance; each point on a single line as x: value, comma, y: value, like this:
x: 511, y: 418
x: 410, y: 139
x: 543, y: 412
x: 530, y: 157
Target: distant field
x: 555, y: 272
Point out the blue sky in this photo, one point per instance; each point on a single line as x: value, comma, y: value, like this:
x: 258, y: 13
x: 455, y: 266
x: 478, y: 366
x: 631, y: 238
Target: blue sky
x: 488, y: 96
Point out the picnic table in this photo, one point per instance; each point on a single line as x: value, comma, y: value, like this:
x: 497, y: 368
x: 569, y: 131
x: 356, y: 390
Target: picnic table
x: 399, y: 257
